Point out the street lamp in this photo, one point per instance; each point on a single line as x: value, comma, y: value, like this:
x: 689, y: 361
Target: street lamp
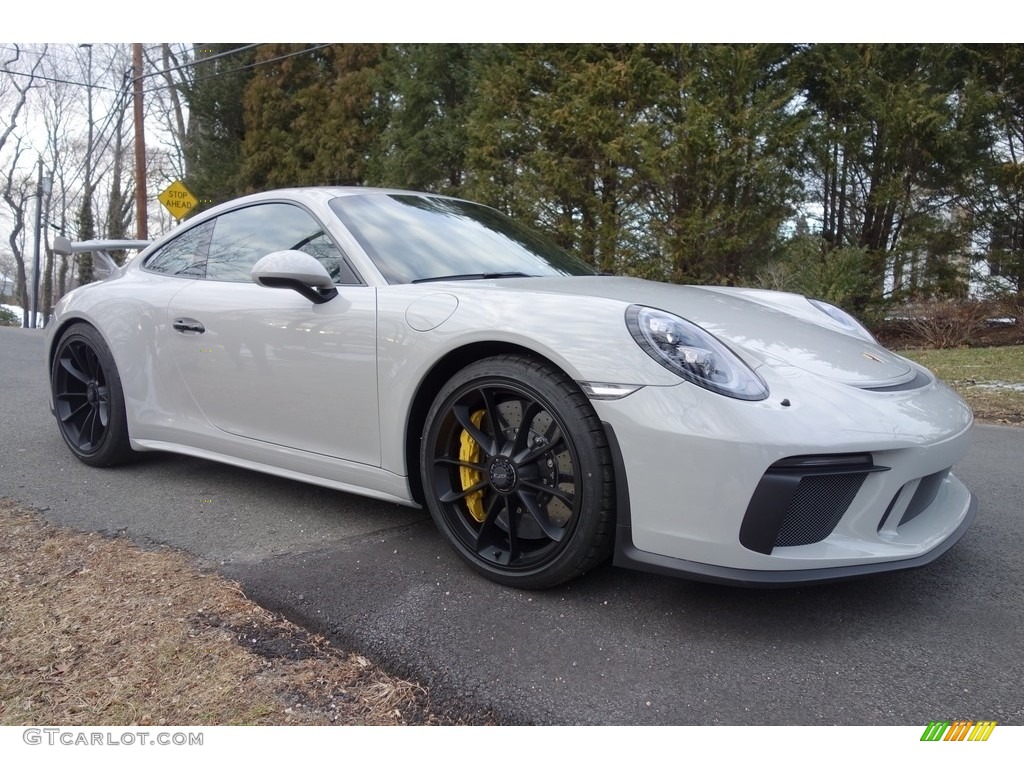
x: 44, y: 187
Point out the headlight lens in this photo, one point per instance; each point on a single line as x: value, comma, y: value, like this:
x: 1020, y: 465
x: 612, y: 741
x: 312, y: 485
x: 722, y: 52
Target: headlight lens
x: 844, y: 318
x: 692, y: 353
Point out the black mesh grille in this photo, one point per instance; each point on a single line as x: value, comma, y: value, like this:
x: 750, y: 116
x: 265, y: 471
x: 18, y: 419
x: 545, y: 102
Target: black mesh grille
x: 819, y: 503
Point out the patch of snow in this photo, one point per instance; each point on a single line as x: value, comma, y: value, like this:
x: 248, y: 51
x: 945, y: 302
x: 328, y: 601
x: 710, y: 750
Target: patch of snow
x: 1016, y: 387
x: 16, y: 310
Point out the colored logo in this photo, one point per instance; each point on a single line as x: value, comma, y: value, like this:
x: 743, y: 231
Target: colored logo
x: 958, y: 730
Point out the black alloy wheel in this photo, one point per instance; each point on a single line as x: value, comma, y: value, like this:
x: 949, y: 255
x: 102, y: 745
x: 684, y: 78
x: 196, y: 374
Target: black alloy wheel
x: 517, y: 473
x: 88, y: 399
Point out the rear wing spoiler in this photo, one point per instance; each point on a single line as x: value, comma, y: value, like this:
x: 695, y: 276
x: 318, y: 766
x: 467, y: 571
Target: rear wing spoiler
x: 100, y: 249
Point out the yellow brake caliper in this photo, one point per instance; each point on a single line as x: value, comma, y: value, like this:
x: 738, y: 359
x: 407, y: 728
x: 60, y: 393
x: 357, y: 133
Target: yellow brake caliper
x: 469, y: 450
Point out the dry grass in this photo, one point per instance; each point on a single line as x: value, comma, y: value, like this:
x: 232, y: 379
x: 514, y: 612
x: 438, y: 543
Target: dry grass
x: 979, y: 376
x: 96, y: 631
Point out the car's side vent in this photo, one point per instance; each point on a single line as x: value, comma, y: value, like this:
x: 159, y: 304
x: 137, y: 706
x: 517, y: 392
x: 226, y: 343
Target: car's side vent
x: 800, y: 500
x: 925, y: 494
x: 888, y: 509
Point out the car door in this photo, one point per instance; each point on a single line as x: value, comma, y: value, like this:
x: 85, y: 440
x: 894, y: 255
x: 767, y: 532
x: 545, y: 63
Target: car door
x: 266, y: 363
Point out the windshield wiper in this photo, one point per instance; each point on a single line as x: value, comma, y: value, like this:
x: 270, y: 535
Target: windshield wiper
x: 473, y: 276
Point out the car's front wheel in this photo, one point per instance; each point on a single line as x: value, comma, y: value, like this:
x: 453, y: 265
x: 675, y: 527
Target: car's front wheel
x: 517, y: 473
x: 87, y: 398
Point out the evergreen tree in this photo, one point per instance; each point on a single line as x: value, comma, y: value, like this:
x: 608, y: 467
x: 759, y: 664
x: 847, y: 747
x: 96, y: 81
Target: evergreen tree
x: 430, y: 90
x: 310, y: 118
x: 683, y: 162
x: 722, y: 159
x: 216, y: 125
x: 86, y: 231
x: 894, y: 136
x: 998, y: 205
x: 556, y: 135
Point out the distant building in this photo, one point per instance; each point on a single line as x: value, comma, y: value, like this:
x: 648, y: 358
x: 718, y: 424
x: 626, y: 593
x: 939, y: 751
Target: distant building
x: 6, y: 286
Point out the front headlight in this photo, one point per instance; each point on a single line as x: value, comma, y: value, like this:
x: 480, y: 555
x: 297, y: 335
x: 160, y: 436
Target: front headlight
x: 692, y: 353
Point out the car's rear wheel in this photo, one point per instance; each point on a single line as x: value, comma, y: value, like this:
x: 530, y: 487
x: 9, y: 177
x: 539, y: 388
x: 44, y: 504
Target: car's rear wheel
x: 517, y: 473
x: 88, y: 399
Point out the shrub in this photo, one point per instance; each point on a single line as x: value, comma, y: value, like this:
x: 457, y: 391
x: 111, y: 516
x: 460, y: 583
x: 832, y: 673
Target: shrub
x: 836, y: 276
x: 943, y: 324
x: 9, y: 318
x: 1011, y: 305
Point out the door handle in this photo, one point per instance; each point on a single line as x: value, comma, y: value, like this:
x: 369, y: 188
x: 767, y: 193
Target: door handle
x: 188, y: 325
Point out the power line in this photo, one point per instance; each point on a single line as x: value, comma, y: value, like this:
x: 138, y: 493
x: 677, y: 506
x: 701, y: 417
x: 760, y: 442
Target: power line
x: 48, y: 54
x: 119, y: 105
x: 123, y: 92
x: 57, y: 80
x: 245, y: 67
x: 106, y: 88
x: 223, y: 54
x: 55, y: 54
x: 193, y: 63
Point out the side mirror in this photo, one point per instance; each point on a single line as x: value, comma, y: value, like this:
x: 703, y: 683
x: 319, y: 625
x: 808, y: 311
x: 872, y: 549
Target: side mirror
x: 298, y: 271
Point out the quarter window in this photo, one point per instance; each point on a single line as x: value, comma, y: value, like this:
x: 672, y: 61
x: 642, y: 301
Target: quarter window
x: 185, y: 255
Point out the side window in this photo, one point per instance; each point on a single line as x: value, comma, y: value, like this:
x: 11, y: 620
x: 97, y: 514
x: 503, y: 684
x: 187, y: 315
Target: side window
x: 185, y: 255
x: 243, y: 237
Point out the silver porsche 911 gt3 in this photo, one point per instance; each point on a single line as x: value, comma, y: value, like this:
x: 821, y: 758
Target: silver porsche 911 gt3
x: 431, y: 351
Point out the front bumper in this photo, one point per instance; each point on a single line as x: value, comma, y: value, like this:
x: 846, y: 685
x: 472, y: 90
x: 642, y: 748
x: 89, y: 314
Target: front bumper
x: 628, y: 556
x: 700, y: 494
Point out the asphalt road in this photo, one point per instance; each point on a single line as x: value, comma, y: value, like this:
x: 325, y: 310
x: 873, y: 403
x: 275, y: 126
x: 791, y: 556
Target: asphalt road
x: 614, y: 647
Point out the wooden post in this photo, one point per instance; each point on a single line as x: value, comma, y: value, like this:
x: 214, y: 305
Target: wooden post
x: 141, y: 223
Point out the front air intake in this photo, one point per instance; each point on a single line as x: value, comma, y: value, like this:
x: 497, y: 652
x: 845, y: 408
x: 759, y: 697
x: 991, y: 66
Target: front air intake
x: 819, y: 503
x: 800, y: 500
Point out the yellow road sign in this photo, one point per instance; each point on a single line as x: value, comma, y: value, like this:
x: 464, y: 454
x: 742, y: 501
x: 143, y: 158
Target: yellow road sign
x: 178, y: 200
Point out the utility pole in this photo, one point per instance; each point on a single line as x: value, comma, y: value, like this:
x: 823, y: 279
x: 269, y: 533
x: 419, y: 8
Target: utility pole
x: 86, y: 216
x: 42, y: 188
x: 89, y: 141
x: 141, y: 224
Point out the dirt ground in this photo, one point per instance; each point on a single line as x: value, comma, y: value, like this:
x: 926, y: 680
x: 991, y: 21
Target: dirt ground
x: 96, y: 631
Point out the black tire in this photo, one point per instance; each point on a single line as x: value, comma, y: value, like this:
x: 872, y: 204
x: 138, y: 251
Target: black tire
x: 528, y: 508
x: 88, y: 398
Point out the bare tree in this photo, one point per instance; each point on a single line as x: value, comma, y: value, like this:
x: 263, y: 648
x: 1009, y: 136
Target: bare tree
x: 7, y: 268
x: 87, y: 165
x: 16, y: 190
x: 63, y: 162
x: 15, y: 88
x: 121, y: 200
x: 87, y: 135
x: 172, y: 65
x: 16, y: 187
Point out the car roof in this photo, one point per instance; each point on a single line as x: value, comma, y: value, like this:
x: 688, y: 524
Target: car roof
x: 328, y: 193
x: 320, y: 195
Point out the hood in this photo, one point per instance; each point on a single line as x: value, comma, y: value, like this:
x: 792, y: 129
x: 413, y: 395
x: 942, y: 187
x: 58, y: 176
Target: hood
x: 749, y: 322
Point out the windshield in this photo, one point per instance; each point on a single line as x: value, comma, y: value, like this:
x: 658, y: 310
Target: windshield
x: 415, y: 238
